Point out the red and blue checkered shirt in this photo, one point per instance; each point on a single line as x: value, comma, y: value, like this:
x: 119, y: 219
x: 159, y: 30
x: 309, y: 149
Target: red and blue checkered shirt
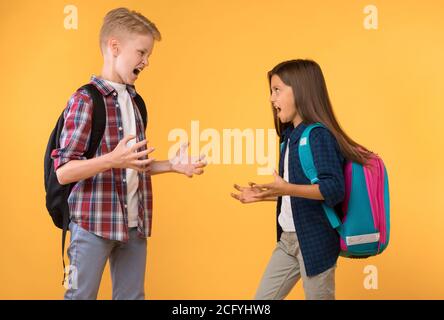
x: 99, y: 204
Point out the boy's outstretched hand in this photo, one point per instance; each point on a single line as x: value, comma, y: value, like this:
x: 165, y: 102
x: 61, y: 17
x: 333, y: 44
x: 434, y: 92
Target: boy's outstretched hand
x: 128, y: 157
x: 187, y: 165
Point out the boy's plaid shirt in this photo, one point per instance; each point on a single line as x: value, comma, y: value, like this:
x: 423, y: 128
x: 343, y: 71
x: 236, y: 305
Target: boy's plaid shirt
x: 99, y: 204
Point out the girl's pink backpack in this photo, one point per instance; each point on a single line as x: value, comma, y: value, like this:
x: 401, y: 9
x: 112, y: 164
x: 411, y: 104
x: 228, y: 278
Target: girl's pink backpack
x: 365, y: 225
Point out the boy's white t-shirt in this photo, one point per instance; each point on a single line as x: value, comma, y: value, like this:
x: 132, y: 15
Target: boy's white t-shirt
x: 286, y: 215
x: 129, y: 127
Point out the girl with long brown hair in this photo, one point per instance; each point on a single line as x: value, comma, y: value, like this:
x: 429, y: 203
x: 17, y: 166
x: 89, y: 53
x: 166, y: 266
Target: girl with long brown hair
x: 308, y: 247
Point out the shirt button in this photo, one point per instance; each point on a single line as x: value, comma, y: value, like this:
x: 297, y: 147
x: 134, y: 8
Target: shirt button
x: 126, y: 206
x: 120, y: 128
x: 117, y: 105
x: 124, y: 180
x: 114, y: 94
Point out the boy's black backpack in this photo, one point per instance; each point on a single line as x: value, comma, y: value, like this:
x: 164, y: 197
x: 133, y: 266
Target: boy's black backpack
x: 57, y: 194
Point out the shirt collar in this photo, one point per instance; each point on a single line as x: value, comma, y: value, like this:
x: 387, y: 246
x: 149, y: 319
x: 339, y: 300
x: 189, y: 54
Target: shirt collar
x: 294, y: 133
x: 106, y: 89
x: 297, y: 132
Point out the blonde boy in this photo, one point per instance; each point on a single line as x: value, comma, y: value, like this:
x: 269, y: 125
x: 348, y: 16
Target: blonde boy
x: 110, y: 205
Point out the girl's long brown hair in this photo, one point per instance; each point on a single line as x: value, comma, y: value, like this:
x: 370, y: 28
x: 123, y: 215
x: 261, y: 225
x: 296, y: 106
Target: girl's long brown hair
x: 313, y: 104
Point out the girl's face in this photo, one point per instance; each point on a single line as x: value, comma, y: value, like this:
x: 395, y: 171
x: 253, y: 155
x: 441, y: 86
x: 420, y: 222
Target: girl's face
x: 282, y: 99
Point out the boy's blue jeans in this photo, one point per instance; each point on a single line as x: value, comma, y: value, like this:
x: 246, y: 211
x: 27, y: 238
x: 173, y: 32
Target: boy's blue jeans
x: 88, y: 255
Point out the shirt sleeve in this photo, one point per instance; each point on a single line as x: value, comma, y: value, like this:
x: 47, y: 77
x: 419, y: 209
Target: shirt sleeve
x: 76, y: 132
x: 329, y: 163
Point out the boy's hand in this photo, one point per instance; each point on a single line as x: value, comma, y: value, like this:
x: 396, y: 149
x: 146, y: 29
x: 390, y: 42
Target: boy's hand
x: 187, y: 165
x: 247, y: 194
x: 128, y: 157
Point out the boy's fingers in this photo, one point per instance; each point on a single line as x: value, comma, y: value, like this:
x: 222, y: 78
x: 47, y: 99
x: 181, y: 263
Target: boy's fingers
x: 200, y: 165
x: 138, y: 155
x: 185, y: 146
x: 128, y: 138
x: 143, y: 153
x: 182, y: 149
x: 138, y: 145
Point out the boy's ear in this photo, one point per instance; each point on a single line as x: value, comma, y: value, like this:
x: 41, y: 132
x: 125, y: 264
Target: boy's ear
x: 113, y: 46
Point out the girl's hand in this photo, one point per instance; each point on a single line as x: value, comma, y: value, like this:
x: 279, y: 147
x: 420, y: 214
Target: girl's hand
x: 247, y: 194
x: 275, y: 189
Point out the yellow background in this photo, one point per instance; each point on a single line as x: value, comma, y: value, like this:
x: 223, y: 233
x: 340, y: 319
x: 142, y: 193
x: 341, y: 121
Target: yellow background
x: 385, y: 85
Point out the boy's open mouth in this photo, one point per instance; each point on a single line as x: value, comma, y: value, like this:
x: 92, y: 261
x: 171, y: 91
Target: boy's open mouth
x: 137, y: 71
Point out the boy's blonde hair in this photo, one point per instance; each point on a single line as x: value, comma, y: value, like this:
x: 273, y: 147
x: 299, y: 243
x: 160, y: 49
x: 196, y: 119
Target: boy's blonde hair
x: 122, y: 19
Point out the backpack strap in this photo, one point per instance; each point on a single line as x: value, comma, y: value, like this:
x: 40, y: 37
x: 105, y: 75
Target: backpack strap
x: 97, y: 131
x: 98, y: 119
x: 142, y: 109
x: 307, y: 163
